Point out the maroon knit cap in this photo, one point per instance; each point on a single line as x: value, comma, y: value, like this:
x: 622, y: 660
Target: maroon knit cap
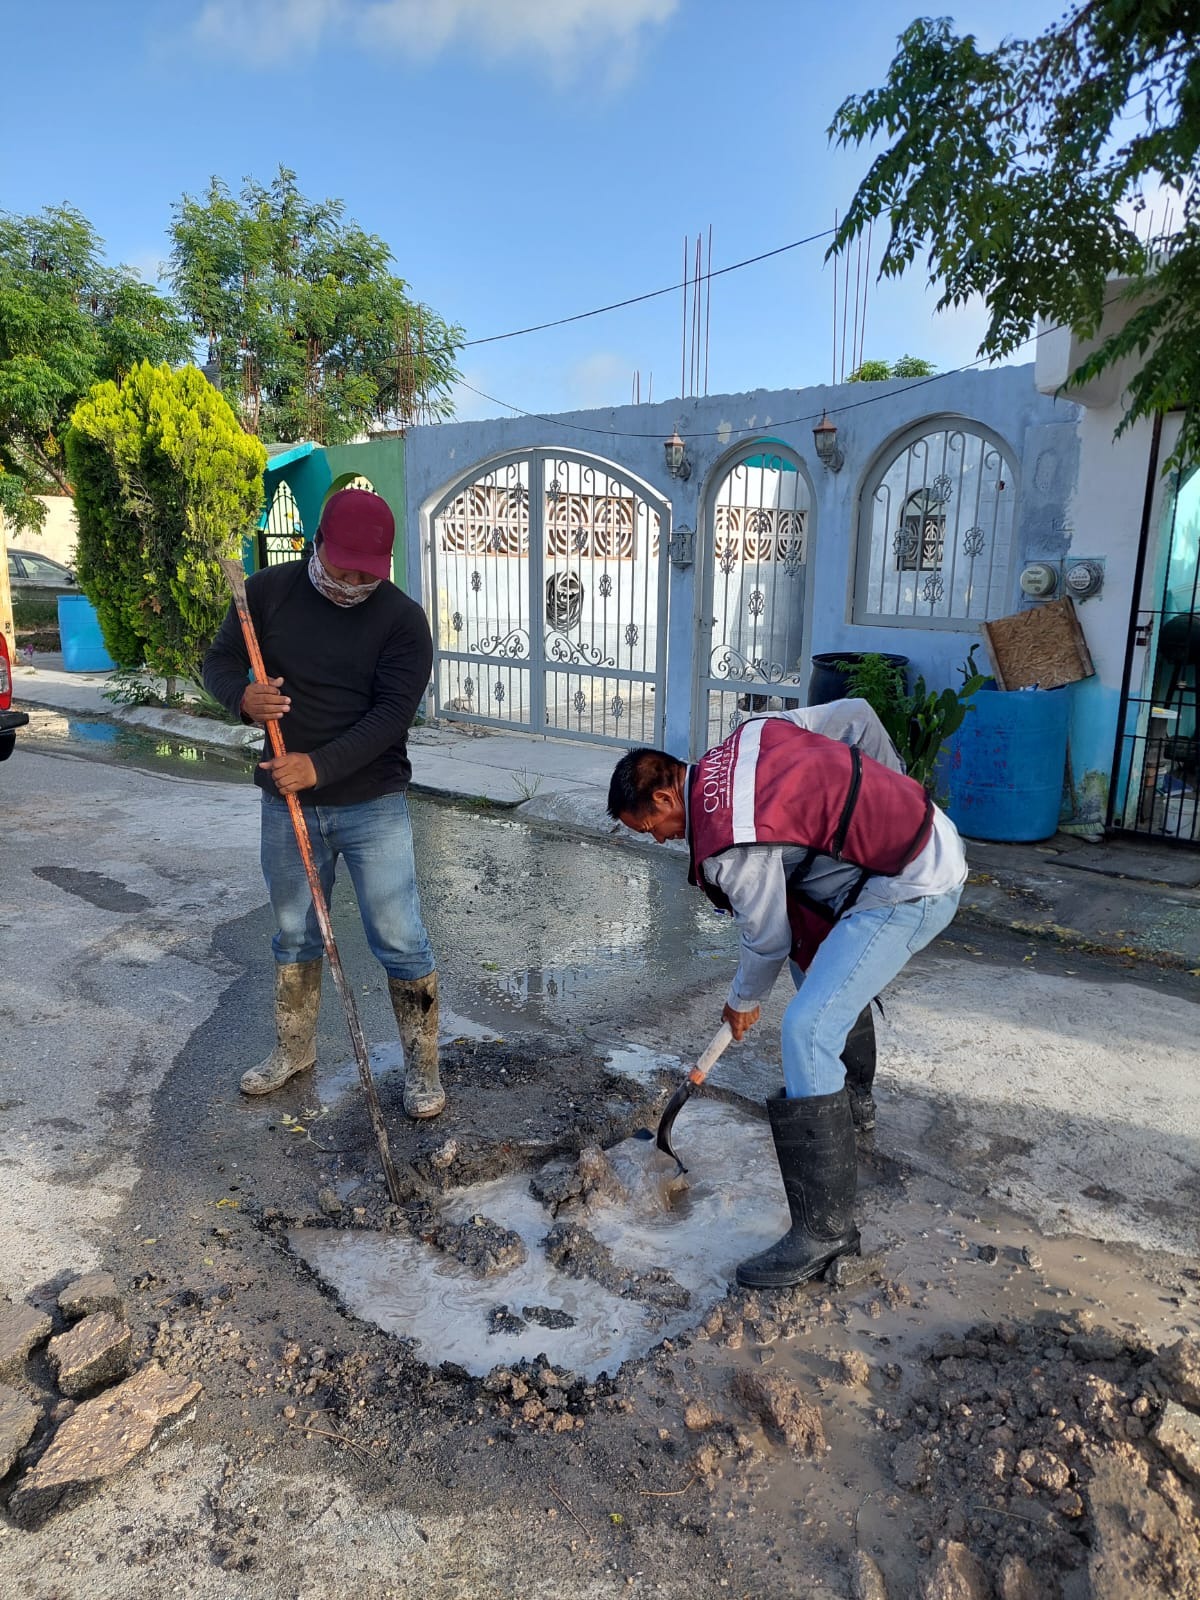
x: 357, y: 532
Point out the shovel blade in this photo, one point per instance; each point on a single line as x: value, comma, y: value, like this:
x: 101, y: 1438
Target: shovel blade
x: 667, y: 1121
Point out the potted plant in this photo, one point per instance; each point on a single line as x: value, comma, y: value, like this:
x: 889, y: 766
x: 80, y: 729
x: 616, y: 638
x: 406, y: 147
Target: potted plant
x: 919, y: 721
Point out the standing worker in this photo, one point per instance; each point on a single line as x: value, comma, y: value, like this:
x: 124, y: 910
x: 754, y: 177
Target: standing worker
x: 352, y: 654
x: 804, y: 826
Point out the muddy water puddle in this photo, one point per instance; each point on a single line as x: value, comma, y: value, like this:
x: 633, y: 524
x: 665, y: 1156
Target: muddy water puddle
x: 732, y: 1206
x: 539, y: 927
x: 96, y: 739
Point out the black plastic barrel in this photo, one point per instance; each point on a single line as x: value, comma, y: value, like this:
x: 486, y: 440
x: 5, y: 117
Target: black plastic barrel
x: 828, y: 679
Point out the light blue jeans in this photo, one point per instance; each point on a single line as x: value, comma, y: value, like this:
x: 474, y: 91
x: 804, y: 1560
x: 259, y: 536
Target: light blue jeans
x: 861, y: 955
x: 375, y: 840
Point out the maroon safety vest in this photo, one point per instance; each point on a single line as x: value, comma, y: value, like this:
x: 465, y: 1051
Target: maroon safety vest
x: 771, y: 782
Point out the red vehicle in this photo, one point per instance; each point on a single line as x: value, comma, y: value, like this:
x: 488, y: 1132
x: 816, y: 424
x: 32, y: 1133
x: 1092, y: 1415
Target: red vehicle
x: 10, y: 720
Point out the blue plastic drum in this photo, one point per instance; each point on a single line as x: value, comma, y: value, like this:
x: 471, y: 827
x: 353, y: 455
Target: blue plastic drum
x: 1002, y: 772
x: 79, y: 629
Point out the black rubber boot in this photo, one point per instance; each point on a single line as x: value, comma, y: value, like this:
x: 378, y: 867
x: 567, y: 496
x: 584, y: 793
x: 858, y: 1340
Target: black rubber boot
x: 814, y: 1143
x: 858, y: 1058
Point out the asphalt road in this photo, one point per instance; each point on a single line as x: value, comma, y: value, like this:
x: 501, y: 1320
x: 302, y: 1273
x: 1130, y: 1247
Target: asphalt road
x: 134, y: 989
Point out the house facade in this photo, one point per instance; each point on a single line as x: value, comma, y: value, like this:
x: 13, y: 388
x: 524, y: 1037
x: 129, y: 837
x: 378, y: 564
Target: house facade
x: 653, y: 574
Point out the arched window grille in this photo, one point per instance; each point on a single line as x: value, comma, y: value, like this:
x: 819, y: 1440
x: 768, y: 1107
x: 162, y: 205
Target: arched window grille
x: 935, y: 529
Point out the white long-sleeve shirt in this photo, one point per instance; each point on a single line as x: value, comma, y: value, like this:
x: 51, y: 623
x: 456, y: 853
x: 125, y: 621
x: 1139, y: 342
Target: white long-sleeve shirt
x: 753, y: 877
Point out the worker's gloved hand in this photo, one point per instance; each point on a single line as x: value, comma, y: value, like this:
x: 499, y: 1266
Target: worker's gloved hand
x: 263, y: 702
x: 291, y: 773
x: 740, y: 1022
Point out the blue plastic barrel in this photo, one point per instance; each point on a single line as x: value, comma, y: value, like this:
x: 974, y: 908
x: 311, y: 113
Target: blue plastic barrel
x: 82, y: 642
x: 1002, y: 772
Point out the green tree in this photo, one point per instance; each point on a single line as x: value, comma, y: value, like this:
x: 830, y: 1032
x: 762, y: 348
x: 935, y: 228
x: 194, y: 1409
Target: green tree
x: 67, y: 321
x: 906, y: 367
x: 166, y: 483
x: 315, y: 338
x: 1022, y: 172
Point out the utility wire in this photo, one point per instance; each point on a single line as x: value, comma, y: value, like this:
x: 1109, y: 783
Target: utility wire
x: 785, y: 422
x: 652, y: 294
x: 712, y: 433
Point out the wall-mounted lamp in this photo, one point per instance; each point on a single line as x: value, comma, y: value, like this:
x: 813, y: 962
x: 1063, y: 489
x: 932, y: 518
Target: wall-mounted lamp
x: 682, y: 547
x: 825, y: 439
x: 678, y: 464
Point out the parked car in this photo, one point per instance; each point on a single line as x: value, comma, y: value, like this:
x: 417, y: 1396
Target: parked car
x: 37, y: 582
x: 10, y: 720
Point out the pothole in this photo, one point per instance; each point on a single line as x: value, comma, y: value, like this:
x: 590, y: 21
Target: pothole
x: 628, y: 1264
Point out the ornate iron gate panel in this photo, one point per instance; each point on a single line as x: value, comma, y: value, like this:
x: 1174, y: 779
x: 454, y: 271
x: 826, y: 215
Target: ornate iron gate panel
x: 752, y: 592
x: 549, y: 596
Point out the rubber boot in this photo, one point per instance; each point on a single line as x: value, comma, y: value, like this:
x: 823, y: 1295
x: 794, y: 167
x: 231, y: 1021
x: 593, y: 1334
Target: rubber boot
x: 415, y: 1003
x: 297, y: 1002
x: 814, y: 1143
x: 858, y: 1058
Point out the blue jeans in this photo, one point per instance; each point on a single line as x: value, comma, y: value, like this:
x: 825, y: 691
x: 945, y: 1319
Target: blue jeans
x: 861, y: 955
x: 375, y: 839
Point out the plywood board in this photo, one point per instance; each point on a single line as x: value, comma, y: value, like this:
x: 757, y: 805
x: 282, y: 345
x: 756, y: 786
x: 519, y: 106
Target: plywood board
x: 1043, y: 647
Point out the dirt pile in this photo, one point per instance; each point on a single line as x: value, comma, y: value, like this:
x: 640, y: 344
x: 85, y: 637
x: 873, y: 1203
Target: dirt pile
x: 484, y: 1247
x: 1051, y: 1449
x: 577, y: 1252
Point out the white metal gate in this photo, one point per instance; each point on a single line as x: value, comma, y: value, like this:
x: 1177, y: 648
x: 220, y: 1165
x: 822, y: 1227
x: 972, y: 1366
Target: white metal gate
x: 752, y: 592
x: 548, y: 584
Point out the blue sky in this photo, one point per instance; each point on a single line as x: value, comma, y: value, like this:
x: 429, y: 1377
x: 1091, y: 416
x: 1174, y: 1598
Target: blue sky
x: 524, y: 159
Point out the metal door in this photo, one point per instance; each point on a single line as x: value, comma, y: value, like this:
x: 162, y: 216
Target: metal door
x: 548, y: 587
x: 752, y: 594
x: 1156, y: 784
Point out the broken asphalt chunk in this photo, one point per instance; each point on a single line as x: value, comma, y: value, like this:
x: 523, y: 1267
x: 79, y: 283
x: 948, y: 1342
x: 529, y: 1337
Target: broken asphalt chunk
x: 100, y: 1438
x: 18, y: 1419
x: 95, y: 1291
x: 22, y: 1329
x: 94, y: 1351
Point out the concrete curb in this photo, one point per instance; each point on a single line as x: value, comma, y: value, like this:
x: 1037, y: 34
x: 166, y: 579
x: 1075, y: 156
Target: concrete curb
x: 195, y: 729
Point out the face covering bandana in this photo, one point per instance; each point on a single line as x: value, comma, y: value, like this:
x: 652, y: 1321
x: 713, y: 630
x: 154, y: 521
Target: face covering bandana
x: 342, y: 594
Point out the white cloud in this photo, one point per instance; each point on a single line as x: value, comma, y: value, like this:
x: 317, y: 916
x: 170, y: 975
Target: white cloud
x: 568, y: 36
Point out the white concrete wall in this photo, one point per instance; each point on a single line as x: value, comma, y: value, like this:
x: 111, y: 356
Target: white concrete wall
x: 57, y: 535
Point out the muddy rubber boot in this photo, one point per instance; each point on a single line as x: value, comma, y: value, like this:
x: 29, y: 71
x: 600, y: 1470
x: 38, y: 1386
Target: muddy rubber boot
x: 297, y: 1002
x: 814, y: 1143
x: 415, y: 1003
x: 858, y: 1058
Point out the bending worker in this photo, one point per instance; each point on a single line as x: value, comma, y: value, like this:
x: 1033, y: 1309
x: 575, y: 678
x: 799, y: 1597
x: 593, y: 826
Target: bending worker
x: 804, y: 826
x: 353, y: 655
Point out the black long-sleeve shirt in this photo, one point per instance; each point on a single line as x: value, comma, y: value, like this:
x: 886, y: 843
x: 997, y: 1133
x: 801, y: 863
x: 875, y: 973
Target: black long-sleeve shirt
x: 354, y: 674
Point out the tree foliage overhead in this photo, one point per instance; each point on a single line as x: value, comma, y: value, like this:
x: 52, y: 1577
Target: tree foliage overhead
x: 67, y: 321
x: 166, y: 483
x: 879, y: 371
x: 314, y: 336
x: 1023, y: 172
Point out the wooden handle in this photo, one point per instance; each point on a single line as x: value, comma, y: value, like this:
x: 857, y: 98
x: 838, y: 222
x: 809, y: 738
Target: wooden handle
x: 716, y: 1049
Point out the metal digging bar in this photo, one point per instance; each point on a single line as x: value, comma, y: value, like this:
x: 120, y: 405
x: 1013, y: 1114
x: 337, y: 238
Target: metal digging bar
x: 237, y: 583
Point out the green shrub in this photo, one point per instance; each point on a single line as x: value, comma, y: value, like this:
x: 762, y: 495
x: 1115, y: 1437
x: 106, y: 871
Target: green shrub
x: 166, y: 483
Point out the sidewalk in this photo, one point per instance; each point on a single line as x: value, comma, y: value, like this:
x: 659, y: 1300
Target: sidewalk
x: 1130, y: 898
